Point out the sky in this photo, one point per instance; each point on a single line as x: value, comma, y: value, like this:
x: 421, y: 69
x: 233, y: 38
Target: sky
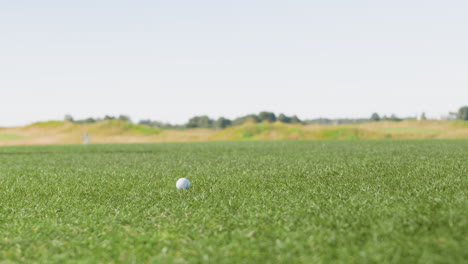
x: 171, y: 60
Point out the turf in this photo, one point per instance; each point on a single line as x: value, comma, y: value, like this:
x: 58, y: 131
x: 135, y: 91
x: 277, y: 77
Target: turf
x: 349, y: 201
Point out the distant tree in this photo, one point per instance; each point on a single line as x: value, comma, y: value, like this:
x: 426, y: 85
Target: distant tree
x: 158, y: 124
x: 320, y: 121
x: 89, y: 120
x: 124, y: 118
x: 238, y: 121
x: 393, y: 117
x: 375, y: 117
x: 462, y: 113
x: 423, y: 116
x: 69, y: 118
x: 295, y: 120
x: 284, y: 119
x: 267, y: 116
x: 200, y: 122
x: 146, y: 122
x: 241, y: 120
x: 222, y: 123
x: 193, y: 122
x: 107, y: 117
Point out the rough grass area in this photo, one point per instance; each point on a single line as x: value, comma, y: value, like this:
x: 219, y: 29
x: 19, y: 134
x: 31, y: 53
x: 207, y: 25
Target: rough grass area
x: 275, y: 131
x: 261, y: 131
x: 47, y: 124
x: 117, y: 131
x: 411, y: 130
x: 118, y: 127
x: 9, y: 137
x: 368, y: 201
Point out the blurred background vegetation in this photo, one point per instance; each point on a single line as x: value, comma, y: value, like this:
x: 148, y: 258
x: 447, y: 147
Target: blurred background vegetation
x: 205, y: 121
x: 262, y: 126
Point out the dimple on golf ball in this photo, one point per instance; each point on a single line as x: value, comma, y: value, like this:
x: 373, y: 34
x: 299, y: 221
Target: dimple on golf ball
x: 183, y: 183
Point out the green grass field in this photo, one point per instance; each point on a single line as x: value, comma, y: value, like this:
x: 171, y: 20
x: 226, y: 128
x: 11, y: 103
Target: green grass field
x: 343, y: 201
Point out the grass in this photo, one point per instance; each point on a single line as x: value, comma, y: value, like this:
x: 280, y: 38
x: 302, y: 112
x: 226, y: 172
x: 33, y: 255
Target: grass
x: 460, y: 123
x: 375, y: 130
x: 9, y: 137
x: 367, y: 201
x: 117, y: 131
x: 48, y: 124
x: 280, y: 131
x: 118, y: 127
x: 342, y: 133
x: 411, y: 130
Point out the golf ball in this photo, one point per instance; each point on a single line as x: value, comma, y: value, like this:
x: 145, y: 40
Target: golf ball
x: 183, y: 183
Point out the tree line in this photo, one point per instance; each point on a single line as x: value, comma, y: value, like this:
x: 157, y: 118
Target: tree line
x: 91, y: 120
x: 205, y: 121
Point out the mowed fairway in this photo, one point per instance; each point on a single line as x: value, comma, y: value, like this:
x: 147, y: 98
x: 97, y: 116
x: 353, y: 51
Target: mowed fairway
x: 350, y: 201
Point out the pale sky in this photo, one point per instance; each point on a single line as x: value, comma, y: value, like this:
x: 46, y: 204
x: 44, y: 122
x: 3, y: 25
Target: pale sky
x: 171, y: 60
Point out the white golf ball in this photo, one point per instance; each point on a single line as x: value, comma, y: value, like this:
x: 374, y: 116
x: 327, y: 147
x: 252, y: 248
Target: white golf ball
x: 183, y: 183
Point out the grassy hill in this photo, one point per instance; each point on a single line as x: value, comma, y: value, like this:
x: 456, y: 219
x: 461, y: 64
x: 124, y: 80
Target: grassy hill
x: 116, y: 131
